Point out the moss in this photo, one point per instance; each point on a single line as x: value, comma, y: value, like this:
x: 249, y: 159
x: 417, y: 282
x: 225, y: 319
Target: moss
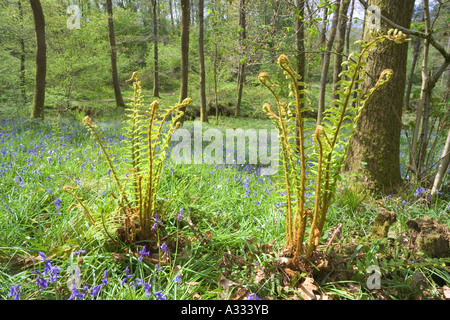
x: 382, y: 223
x: 430, y: 237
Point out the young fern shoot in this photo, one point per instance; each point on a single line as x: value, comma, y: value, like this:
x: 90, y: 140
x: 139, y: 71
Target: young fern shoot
x: 147, y: 139
x: 302, y: 163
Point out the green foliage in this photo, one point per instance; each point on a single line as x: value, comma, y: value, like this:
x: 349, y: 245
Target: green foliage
x: 147, y: 143
x: 303, y: 163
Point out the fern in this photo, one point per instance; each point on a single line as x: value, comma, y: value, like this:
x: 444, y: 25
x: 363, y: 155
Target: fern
x: 147, y: 138
x: 327, y: 157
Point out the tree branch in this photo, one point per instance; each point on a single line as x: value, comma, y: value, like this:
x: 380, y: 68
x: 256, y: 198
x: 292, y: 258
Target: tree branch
x: 419, y: 34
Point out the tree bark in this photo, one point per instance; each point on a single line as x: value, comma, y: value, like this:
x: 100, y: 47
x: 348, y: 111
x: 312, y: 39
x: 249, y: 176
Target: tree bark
x: 443, y: 166
x: 155, y: 51
x: 112, y: 42
x: 416, y: 51
x: 201, y: 55
x: 340, y: 44
x: 326, y: 63
x: 376, y: 141
x: 41, y: 60
x: 241, y: 70
x: 185, y: 24
x: 23, y: 88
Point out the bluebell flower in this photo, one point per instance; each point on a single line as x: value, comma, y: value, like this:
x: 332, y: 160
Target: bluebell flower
x: 180, y: 214
x: 155, y: 218
x: 127, y: 276
x: 147, y: 289
x: 159, y: 295
x: 105, y: 278
x: 14, y: 292
x: 58, y: 205
x: 253, y: 296
x: 95, y: 290
x: 419, y: 191
x: 178, y: 279
x: 75, y: 293
x: 164, y: 248
x: 79, y: 252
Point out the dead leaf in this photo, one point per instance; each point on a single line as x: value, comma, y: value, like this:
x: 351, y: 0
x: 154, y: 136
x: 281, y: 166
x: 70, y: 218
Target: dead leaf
x: 227, y: 283
x: 306, y: 289
x: 260, y: 275
x: 194, y: 283
x: 446, y: 291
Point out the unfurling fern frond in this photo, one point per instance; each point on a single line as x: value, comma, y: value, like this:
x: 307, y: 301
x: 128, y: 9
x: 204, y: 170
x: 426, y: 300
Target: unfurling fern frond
x: 147, y: 139
x: 332, y: 138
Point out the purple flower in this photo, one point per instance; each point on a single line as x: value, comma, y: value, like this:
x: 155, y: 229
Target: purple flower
x: 142, y: 252
x: 105, y: 278
x: 58, y: 205
x: 147, y: 289
x: 75, y: 293
x: 95, y: 290
x: 127, y: 276
x: 178, y: 279
x: 180, y: 214
x: 164, y: 248
x: 14, y: 292
x: 79, y: 252
x: 159, y: 295
x: 41, y: 283
x: 155, y: 218
x: 253, y: 296
x: 419, y: 191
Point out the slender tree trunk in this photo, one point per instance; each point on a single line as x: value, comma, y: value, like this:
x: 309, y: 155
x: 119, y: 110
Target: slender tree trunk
x: 376, y: 141
x: 423, y: 93
x: 443, y: 166
x: 326, y: 63
x: 23, y: 87
x: 41, y: 60
x: 415, y: 57
x: 340, y: 44
x: 201, y: 55
x: 171, y: 14
x: 112, y: 42
x: 349, y: 28
x: 241, y: 70
x: 323, y: 30
x: 155, y: 51
x: 185, y: 23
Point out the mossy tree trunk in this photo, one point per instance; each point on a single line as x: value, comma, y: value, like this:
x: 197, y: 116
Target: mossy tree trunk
x: 376, y: 141
x: 41, y: 60
x: 241, y: 68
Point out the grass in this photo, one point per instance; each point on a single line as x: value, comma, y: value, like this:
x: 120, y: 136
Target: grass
x: 225, y: 245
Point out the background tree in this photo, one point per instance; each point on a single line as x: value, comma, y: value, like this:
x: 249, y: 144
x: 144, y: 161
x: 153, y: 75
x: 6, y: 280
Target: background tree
x: 374, y: 151
x: 326, y: 61
x: 41, y: 60
x: 112, y: 42
x: 201, y: 55
x: 241, y: 69
x: 155, y: 50
x: 185, y: 23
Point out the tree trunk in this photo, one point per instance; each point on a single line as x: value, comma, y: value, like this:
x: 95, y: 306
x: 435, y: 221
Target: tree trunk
x: 201, y: 55
x: 185, y: 23
x: 112, y: 42
x: 376, y: 141
x: 23, y: 87
x: 443, y: 166
x: 155, y: 52
x: 349, y: 28
x: 415, y: 57
x: 340, y: 44
x: 326, y: 63
x: 41, y: 60
x: 241, y: 70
